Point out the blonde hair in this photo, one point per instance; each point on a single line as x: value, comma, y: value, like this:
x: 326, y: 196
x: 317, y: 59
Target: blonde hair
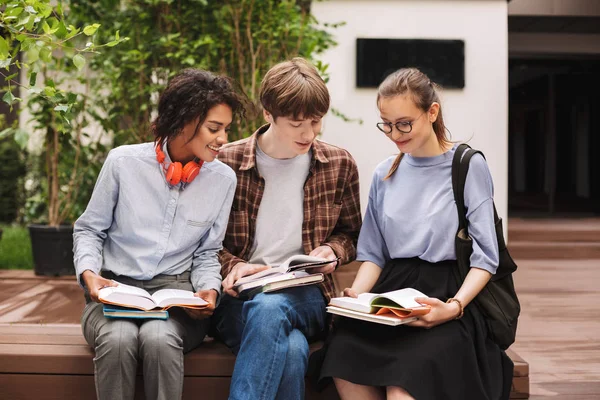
x: 294, y: 89
x: 423, y: 92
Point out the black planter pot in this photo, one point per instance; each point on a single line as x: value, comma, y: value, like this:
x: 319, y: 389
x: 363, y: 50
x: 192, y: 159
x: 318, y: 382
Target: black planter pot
x: 52, y: 249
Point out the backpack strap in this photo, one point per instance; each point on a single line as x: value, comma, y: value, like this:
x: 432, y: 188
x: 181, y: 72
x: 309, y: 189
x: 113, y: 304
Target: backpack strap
x: 457, y: 188
x: 460, y: 168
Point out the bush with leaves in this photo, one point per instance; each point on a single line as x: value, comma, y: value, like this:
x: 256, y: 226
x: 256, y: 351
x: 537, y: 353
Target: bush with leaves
x: 238, y: 38
x: 12, y: 171
x: 39, y: 38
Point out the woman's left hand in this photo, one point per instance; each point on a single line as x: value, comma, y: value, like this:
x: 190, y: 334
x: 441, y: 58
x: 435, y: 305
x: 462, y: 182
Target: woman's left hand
x: 440, y: 312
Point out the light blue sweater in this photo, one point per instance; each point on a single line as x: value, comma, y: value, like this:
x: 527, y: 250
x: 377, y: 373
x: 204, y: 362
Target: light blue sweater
x: 413, y: 214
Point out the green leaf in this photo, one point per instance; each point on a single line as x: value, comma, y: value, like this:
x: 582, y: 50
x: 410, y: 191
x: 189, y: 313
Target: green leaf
x: 30, y: 10
x: 49, y: 91
x: 61, y: 32
x: 33, y: 54
x: 3, y: 49
x: 113, y: 43
x: 7, y: 133
x: 21, y: 137
x: 33, y: 79
x: 9, y: 99
x: 62, y: 108
x: 46, y: 28
x: 91, y: 29
x: 79, y: 61
x: 46, y: 54
x: 117, y: 35
x: 14, y: 12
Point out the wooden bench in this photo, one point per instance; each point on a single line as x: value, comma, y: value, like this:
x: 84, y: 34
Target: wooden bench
x: 47, y: 362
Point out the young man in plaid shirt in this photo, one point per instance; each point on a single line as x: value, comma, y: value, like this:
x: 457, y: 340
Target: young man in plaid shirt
x: 295, y: 195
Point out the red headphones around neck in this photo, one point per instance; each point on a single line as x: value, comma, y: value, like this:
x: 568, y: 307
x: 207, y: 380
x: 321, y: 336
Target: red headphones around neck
x: 175, y: 172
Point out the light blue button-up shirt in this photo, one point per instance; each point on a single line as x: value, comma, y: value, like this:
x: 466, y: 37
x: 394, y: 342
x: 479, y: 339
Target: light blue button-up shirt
x: 413, y: 214
x: 138, y: 226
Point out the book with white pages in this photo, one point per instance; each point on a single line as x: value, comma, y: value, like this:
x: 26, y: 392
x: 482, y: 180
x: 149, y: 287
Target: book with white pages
x: 134, y: 297
x: 272, y: 283
x: 385, y: 319
x: 401, y: 302
x: 298, y: 262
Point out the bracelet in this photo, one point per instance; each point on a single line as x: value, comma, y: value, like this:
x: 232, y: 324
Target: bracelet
x: 462, y: 311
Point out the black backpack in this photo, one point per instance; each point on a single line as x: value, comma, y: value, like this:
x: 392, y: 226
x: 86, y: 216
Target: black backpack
x: 497, y: 301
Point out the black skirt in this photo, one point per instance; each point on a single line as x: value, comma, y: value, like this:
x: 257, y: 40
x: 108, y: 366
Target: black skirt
x: 454, y: 360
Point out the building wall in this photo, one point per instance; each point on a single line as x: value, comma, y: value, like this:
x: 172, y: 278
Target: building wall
x: 478, y: 113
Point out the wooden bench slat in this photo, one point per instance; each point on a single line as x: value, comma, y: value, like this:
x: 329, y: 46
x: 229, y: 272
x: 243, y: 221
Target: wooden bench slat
x: 74, y: 387
x: 37, y: 329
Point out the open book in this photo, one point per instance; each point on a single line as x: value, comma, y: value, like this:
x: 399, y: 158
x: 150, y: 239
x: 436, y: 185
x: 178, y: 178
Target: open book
x: 274, y: 282
x: 396, y: 307
x: 134, y: 297
x: 294, y: 271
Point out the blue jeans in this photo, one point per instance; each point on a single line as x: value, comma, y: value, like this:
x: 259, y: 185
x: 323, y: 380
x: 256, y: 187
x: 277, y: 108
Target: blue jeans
x: 269, y: 335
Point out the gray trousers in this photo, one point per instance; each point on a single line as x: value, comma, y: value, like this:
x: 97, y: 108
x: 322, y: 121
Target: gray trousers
x: 160, y: 345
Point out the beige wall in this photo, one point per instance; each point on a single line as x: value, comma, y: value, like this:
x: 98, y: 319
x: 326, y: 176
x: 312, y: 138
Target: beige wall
x: 478, y: 112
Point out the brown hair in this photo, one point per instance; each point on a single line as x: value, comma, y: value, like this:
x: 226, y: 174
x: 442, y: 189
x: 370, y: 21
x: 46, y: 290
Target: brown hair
x: 423, y: 92
x: 294, y: 89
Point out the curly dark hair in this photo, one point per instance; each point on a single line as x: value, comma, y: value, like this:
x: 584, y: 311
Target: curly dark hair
x: 189, y: 95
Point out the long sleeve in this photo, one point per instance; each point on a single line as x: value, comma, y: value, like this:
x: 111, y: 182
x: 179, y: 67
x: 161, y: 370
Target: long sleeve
x: 345, y: 234
x: 89, y: 231
x: 206, y: 268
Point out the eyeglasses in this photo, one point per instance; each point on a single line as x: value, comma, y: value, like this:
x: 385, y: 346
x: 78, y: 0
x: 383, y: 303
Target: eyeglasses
x: 402, y: 126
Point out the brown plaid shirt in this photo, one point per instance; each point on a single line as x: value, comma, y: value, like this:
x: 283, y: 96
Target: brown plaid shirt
x: 331, y: 204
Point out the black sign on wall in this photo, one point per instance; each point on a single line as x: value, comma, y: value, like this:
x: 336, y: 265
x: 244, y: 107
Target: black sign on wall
x: 442, y: 60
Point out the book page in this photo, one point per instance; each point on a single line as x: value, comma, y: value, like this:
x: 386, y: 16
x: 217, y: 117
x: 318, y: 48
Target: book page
x: 259, y: 275
x: 168, y: 297
x: 360, y: 304
x: 300, y: 261
x: 127, y: 296
x: 404, y: 298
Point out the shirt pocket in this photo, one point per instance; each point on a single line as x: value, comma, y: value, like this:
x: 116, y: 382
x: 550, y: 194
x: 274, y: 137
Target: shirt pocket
x: 193, y: 232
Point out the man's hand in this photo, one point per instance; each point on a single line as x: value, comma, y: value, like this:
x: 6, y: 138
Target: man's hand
x: 324, y: 252
x: 239, y: 271
x: 95, y: 282
x: 210, y: 296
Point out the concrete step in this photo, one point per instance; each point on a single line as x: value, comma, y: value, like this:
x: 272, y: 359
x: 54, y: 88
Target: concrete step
x: 554, y: 230
x: 534, y: 250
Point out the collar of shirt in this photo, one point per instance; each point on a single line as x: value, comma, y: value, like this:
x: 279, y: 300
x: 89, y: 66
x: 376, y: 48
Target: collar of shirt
x: 249, y: 160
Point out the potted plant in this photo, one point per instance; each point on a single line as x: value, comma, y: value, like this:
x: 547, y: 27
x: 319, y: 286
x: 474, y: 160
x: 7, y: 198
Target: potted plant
x: 53, y: 54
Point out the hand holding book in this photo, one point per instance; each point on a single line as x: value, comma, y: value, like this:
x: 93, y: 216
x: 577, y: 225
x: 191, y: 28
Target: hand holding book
x: 239, y: 271
x: 94, y: 282
x: 440, y: 312
x: 327, y: 253
x: 390, y: 308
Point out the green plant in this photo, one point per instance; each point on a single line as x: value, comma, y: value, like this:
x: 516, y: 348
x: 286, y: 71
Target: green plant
x: 239, y: 38
x: 15, y: 248
x: 12, y: 170
x: 40, y: 32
